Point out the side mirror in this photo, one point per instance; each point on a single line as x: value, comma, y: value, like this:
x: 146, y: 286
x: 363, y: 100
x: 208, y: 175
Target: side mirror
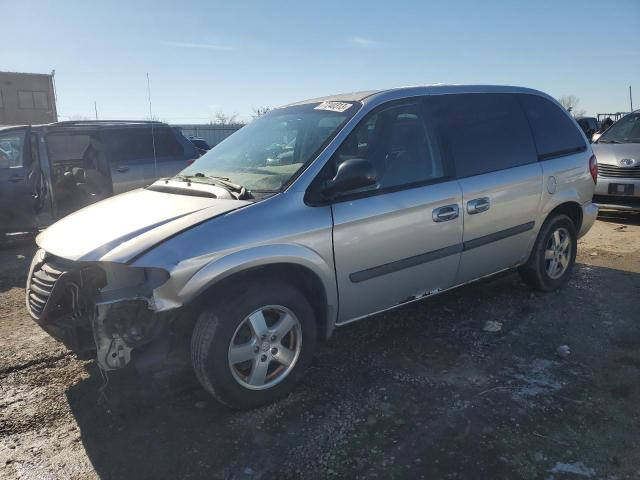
x: 595, y: 137
x: 352, y: 174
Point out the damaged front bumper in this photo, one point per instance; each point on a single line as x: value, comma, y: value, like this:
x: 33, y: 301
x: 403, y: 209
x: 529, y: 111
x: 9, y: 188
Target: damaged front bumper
x: 101, y: 310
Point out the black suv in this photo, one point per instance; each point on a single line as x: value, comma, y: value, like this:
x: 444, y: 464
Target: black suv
x: 49, y: 171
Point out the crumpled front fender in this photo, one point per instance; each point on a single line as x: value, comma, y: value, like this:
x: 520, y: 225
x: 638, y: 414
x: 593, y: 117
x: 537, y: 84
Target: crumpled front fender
x: 170, y: 295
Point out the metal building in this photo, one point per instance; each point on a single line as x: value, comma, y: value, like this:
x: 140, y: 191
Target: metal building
x: 27, y: 98
x: 212, y: 133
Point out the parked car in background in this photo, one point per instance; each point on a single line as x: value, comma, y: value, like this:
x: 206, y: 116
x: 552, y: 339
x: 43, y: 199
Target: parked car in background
x: 618, y: 153
x: 384, y: 198
x: 49, y: 171
x: 200, y: 143
x: 589, y: 125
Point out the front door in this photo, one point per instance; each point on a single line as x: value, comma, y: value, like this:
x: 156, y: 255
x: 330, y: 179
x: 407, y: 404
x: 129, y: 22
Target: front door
x: 17, y: 208
x: 399, y: 239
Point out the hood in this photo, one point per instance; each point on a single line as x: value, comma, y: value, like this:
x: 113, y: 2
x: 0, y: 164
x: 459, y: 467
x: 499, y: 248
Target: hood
x: 121, y: 227
x: 612, y: 153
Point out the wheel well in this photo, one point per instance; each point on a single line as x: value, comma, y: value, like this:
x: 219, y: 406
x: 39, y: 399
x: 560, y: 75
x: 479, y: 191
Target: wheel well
x: 298, y: 276
x: 571, y: 210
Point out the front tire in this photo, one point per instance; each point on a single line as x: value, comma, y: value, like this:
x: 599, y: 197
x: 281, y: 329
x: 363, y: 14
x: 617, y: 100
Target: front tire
x: 554, y: 254
x: 254, y: 343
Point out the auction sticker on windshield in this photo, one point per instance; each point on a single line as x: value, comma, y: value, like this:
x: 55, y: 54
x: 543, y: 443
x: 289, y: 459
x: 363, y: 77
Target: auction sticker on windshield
x: 333, y: 106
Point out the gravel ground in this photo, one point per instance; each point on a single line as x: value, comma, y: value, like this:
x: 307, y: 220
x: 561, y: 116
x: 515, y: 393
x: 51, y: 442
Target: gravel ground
x: 420, y: 392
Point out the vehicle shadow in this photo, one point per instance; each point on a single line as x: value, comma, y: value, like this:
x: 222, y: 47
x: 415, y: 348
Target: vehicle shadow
x: 15, y: 258
x: 614, y: 216
x: 418, y: 382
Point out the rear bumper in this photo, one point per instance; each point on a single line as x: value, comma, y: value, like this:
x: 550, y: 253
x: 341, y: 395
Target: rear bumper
x: 589, y: 215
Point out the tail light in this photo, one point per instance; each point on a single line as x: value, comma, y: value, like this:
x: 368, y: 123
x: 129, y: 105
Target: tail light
x: 593, y: 168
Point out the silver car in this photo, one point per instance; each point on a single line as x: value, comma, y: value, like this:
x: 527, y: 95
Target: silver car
x: 385, y: 198
x: 618, y: 153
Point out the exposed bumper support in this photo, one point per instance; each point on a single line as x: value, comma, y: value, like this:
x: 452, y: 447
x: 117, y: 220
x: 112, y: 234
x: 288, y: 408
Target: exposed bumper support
x: 119, y: 326
x: 106, y: 310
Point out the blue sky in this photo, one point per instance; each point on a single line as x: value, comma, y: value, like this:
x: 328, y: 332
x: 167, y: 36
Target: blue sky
x: 207, y: 56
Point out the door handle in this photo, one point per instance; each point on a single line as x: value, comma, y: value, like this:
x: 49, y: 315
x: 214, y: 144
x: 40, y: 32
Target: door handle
x: 122, y: 169
x: 16, y: 179
x: 446, y: 213
x: 478, y: 205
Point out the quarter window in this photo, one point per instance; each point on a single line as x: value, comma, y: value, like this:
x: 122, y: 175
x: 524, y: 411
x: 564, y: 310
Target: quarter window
x: 483, y: 132
x: 554, y: 132
x: 398, y: 145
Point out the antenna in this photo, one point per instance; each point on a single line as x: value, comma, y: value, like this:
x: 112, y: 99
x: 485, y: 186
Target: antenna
x: 153, y: 137
x: 630, y: 98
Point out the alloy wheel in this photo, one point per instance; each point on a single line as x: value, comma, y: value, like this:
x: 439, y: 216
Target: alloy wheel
x: 557, y: 254
x: 265, y: 347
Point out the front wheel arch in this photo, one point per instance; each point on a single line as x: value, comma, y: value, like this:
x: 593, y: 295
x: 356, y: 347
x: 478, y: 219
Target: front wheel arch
x: 302, y: 277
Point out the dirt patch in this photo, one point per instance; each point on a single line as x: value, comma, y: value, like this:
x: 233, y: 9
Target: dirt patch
x: 419, y: 392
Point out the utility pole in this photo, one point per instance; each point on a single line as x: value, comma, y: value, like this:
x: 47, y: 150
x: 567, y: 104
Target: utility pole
x: 153, y: 137
x: 95, y: 108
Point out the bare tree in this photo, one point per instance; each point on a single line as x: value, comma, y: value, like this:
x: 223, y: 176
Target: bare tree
x: 222, y: 118
x: 153, y: 118
x: 77, y: 117
x: 259, y: 111
x: 570, y: 102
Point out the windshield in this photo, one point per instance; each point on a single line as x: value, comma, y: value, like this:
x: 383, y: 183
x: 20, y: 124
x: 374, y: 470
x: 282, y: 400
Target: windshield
x: 271, y: 150
x: 625, y: 130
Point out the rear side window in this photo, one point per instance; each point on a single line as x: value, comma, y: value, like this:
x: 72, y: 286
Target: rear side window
x: 166, y: 143
x: 482, y: 132
x: 554, y: 132
x: 129, y: 145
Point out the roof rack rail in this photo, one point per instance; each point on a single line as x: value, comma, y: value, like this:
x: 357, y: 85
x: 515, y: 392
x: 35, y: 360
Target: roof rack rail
x: 109, y: 122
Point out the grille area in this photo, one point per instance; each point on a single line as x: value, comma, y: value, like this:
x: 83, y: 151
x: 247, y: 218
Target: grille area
x: 43, y: 278
x: 613, y: 171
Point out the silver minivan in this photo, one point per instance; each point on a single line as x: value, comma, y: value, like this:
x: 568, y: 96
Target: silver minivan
x: 315, y: 215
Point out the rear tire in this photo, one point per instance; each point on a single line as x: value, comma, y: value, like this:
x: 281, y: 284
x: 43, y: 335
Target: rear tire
x: 554, y: 254
x: 246, y: 325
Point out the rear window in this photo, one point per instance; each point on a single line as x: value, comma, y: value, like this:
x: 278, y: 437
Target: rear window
x: 554, y: 132
x: 482, y: 132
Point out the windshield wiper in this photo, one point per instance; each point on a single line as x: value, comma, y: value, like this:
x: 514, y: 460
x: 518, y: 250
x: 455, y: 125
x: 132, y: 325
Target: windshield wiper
x: 608, y: 141
x: 237, y: 191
